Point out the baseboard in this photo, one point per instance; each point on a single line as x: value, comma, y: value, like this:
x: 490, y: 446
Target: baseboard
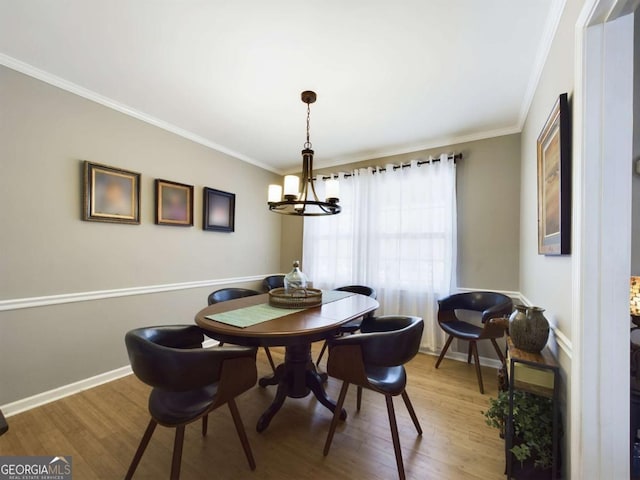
x: 462, y: 357
x: 43, y: 398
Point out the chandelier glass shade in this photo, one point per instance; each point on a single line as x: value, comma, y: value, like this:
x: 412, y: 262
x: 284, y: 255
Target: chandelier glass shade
x: 298, y: 196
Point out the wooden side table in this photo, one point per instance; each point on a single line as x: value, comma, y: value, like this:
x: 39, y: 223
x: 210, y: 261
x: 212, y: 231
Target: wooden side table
x: 537, y: 373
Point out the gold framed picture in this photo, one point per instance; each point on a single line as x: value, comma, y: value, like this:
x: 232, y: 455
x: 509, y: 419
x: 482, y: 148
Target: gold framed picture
x: 174, y: 204
x: 110, y: 194
x: 554, y: 181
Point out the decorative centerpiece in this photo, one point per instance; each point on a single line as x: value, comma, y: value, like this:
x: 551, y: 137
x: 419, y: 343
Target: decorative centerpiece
x: 528, y: 328
x: 296, y: 292
x: 297, y: 298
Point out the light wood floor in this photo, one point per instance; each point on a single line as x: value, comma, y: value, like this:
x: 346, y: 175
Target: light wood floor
x: 101, y: 429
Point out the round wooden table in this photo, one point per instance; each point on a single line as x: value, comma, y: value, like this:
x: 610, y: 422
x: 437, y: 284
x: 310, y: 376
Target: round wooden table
x: 295, y: 331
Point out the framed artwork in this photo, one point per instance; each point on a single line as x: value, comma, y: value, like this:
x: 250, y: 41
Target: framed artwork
x: 174, y: 203
x: 554, y: 181
x: 218, y: 210
x: 110, y: 194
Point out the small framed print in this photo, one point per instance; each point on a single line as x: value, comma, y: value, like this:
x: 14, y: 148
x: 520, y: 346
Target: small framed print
x: 554, y: 181
x: 110, y: 194
x: 174, y: 204
x: 218, y: 210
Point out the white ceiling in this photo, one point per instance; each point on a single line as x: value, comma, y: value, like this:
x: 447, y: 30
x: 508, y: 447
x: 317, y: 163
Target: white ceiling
x: 391, y: 77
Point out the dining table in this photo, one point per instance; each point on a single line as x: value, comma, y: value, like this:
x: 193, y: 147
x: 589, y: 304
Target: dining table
x: 252, y: 321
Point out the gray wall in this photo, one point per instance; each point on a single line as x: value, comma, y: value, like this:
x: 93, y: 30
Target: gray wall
x: 45, y: 248
x: 547, y: 280
x: 488, y: 199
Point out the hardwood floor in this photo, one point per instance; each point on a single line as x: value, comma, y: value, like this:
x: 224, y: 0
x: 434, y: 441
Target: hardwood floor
x: 101, y: 429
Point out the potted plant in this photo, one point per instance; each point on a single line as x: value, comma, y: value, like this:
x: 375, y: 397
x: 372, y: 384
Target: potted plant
x: 533, y: 431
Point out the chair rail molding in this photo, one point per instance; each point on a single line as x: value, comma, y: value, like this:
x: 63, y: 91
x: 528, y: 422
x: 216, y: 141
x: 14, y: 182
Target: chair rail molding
x: 44, y: 301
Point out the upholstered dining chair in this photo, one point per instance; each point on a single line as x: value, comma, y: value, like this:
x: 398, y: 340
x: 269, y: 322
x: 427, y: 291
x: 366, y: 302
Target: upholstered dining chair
x: 491, y: 305
x: 273, y: 281
x: 188, y: 382
x: 225, y: 294
x: 374, y: 360
x: 354, y: 325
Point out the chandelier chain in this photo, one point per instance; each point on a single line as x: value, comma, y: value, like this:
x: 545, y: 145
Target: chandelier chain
x: 307, y: 144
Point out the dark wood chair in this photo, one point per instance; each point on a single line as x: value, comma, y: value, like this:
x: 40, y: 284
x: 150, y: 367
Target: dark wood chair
x: 374, y: 360
x: 354, y: 325
x: 491, y: 305
x: 225, y: 294
x: 188, y: 382
x: 273, y: 281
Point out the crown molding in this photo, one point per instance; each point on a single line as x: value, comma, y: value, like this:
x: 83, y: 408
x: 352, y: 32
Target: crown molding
x: 553, y: 20
x: 71, y: 87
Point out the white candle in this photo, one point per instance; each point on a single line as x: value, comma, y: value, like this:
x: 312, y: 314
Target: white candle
x: 332, y: 188
x: 275, y: 193
x: 291, y: 185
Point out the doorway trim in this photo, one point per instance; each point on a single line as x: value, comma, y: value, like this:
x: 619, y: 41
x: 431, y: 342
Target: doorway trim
x: 603, y: 126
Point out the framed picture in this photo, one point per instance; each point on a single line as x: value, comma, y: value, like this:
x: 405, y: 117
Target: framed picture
x: 174, y: 203
x: 218, y: 210
x: 554, y: 181
x: 110, y: 194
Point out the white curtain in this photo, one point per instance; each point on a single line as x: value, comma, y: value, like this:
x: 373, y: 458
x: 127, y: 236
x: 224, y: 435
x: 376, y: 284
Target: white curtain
x: 397, y: 234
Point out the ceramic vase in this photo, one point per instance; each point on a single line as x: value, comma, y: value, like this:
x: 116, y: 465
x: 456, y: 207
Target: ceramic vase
x: 528, y: 328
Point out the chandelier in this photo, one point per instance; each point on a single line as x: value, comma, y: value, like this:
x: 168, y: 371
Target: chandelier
x: 302, y: 199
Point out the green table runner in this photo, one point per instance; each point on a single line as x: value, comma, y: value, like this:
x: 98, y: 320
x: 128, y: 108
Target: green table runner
x: 248, y: 316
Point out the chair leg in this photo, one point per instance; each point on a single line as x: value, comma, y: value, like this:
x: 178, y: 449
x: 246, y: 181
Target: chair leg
x: 177, y: 453
x: 444, y: 350
x: 395, y: 436
x: 205, y: 423
x: 470, y: 351
x: 273, y: 365
x: 324, y: 347
x: 336, y: 416
x: 407, y: 402
x: 235, y: 414
x: 497, y: 349
x: 476, y: 360
x: 359, y: 398
x: 141, y: 448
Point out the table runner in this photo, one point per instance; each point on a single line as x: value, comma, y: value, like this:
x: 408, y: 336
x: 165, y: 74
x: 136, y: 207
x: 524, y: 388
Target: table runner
x: 248, y: 316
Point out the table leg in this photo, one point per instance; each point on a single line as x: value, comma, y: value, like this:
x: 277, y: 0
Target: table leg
x: 265, y: 418
x: 314, y: 382
x: 273, y: 379
x: 296, y: 378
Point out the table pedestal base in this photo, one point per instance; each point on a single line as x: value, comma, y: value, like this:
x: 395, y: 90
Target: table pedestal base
x: 296, y: 378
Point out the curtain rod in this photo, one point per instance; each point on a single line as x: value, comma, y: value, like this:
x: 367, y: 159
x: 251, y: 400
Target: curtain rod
x: 452, y: 156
